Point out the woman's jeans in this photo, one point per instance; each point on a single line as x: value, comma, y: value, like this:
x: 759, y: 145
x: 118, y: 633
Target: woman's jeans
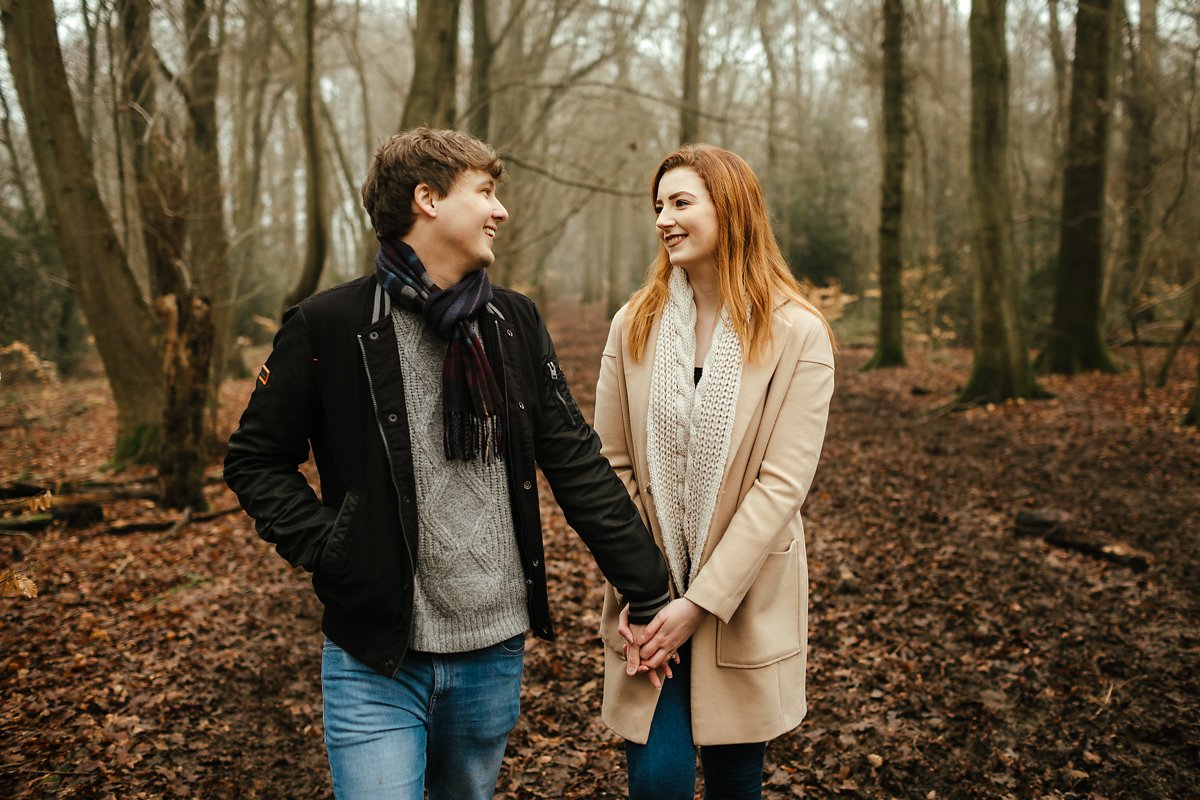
x: 442, y: 721
x: 665, y: 767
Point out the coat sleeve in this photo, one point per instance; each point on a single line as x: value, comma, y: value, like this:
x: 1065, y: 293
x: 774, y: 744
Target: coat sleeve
x: 784, y: 476
x: 592, y: 497
x: 270, y: 444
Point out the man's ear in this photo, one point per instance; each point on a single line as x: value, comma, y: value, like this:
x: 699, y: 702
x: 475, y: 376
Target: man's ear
x: 425, y: 200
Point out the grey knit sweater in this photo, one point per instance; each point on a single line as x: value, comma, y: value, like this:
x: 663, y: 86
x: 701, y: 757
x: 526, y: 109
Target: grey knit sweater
x: 470, y: 589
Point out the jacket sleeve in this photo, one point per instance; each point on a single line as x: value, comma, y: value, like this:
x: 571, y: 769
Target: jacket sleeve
x: 787, y: 469
x: 592, y: 497
x: 270, y: 444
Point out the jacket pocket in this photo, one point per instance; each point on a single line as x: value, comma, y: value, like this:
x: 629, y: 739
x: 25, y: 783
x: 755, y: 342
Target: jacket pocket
x: 561, y: 395
x: 335, y: 556
x: 768, y: 625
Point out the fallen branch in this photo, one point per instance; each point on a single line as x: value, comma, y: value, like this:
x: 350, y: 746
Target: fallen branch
x: 171, y: 525
x: 1058, y: 528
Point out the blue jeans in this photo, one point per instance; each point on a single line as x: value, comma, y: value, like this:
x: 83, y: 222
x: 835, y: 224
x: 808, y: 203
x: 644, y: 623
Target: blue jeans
x: 443, y: 720
x: 664, y: 768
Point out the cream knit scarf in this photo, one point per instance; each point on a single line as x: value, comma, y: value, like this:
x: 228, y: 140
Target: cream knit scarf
x: 689, y: 427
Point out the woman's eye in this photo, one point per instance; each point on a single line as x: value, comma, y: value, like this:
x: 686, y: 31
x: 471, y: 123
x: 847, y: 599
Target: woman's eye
x: 657, y: 210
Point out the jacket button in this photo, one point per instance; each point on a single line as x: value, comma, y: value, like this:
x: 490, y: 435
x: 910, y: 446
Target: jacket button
x: 509, y: 332
x: 373, y: 335
x: 529, y: 583
x: 526, y: 484
x: 392, y: 417
x: 521, y: 404
x: 535, y: 562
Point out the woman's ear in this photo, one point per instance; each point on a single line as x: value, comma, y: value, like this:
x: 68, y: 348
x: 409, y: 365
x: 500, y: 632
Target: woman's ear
x: 425, y: 200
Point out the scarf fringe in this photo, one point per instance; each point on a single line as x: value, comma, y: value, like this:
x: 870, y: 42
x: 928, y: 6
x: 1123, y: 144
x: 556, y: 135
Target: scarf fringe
x: 465, y: 437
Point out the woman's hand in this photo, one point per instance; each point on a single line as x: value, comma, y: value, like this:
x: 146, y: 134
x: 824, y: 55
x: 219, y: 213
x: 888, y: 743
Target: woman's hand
x: 633, y: 662
x: 666, y: 633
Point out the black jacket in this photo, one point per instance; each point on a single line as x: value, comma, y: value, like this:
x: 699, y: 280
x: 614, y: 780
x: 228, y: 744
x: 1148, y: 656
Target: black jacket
x: 333, y: 381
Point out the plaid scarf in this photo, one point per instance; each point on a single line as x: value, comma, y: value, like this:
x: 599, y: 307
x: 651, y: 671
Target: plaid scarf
x: 471, y: 399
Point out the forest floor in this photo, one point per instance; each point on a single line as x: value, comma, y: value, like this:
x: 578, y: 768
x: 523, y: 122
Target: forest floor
x: 949, y: 657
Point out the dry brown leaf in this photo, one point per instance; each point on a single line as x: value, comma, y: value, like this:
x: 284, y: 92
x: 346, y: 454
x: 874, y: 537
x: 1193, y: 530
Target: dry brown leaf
x: 16, y: 584
x: 41, y: 502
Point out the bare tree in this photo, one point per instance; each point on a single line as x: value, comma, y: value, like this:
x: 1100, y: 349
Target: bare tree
x: 315, y: 216
x: 889, y: 350
x: 1001, y: 365
x: 117, y: 312
x: 689, y: 113
x: 431, y: 99
x: 1076, y: 342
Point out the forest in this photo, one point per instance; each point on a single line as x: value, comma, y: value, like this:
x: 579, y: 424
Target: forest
x: 995, y: 203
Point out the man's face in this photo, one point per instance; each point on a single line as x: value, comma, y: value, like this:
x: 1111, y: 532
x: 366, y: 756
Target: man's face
x: 467, y: 219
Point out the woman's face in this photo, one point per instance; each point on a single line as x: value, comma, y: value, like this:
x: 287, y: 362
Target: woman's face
x: 687, y: 219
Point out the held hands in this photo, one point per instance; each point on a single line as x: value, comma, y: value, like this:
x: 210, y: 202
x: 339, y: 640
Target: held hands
x: 651, y: 647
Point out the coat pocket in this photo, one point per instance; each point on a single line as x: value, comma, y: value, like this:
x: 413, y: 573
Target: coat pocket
x: 335, y: 556
x: 768, y: 625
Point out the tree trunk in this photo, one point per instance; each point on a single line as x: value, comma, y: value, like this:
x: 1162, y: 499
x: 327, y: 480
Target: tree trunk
x: 1185, y: 330
x: 1058, y: 57
x: 689, y: 114
x: 889, y: 350
x: 1140, y: 105
x: 1076, y: 340
x: 158, y: 184
x: 483, y: 53
x: 1001, y: 364
x: 206, y: 225
x: 1193, y: 415
x: 431, y: 100
x: 315, y: 218
x: 118, y: 315
x: 187, y: 345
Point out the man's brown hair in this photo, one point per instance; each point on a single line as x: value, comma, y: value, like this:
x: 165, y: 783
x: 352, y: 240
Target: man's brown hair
x: 420, y: 155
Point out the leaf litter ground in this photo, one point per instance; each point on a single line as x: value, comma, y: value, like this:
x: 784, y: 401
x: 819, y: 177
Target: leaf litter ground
x: 949, y: 658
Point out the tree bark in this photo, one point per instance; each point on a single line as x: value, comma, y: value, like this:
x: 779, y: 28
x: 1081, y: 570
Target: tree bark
x: 1193, y: 415
x: 1076, y: 340
x: 431, y: 99
x: 889, y: 351
x: 209, y: 251
x: 1001, y: 363
x: 161, y: 196
x: 118, y: 315
x: 315, y: 217
x: 689, y: 114
x: 483, y: 54
x: 1140, y: 105
x: 187, y: 355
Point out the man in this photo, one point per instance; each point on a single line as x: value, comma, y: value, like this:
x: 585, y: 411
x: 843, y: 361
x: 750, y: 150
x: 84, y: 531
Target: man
x: 427, y: 397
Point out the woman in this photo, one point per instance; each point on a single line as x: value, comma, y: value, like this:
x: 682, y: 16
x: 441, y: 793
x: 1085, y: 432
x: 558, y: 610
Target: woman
x: 712, y: 400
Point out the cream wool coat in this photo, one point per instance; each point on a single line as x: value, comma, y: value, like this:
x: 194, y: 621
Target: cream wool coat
x: 749, y: 654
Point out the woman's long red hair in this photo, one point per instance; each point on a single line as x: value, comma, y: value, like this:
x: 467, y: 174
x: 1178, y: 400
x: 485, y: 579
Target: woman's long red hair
x: 751, y: 272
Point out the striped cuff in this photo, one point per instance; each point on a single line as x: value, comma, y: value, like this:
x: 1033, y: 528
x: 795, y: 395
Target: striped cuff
x: 642, y: 611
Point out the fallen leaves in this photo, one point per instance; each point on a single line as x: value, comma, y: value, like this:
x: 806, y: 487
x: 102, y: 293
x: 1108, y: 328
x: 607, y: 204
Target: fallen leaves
x: 947, y: 657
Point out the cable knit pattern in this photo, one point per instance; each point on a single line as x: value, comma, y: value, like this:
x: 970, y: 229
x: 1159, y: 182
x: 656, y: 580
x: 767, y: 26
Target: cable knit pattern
x: 689, y: 426
x: 469, y: 588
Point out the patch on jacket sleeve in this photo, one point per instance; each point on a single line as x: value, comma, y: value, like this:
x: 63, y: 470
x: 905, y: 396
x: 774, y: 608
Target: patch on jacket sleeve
x: 264, y: 375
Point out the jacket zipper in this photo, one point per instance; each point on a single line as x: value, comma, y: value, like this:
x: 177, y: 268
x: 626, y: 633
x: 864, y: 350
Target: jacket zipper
x: 387, y: 452
x: 561, y: 400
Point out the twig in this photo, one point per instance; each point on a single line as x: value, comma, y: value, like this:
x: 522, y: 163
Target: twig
x: 177, y: 527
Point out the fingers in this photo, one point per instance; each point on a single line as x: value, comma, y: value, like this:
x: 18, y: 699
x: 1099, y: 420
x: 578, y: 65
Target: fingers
x: 623, y: 625
x: 633, y: 655
x: 650, y: 630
